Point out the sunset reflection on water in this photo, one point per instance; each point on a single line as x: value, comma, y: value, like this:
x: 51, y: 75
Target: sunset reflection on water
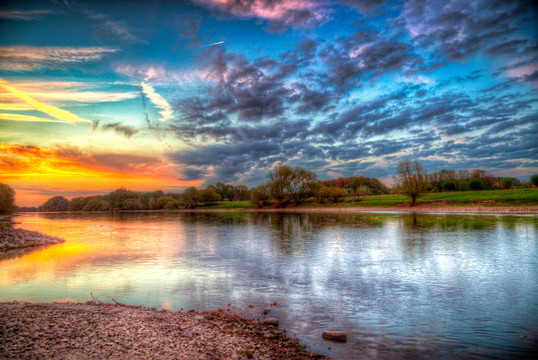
x: 402, y: 285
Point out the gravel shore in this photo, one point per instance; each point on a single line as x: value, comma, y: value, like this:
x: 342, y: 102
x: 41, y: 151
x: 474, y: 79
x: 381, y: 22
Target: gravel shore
x: 18, y: 242
x: 111, y: 331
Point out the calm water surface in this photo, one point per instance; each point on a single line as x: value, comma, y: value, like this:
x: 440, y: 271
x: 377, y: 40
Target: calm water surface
x: 401, y: 285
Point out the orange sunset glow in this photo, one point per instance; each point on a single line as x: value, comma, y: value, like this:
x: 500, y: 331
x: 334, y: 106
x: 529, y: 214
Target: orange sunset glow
x: 31, y: 167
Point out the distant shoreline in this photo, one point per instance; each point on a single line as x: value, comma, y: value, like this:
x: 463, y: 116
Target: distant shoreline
x: 421, y: 208
x: 407, y: 209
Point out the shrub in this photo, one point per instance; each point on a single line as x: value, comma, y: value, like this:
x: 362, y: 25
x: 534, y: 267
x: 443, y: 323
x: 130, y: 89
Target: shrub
x: 208, y: 196
x: 359, y: 194
x: 162, y: 202
x: 189, y: 198
x: 506, y: 183
x: 7, y: 199
x: 449, y: 185
x: 534, y: 179
x: 260, y: 196
x: 476, y: 184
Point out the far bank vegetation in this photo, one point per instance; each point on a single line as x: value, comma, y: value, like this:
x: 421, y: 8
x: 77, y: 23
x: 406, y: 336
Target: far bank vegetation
x: 294, y: 186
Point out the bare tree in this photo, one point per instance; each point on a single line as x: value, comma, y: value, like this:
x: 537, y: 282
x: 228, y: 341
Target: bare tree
x: 411, y: 179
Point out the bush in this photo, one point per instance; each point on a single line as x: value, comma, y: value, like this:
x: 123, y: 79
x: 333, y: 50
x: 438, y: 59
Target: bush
x: 359, y: 194
x: 189, y: 198
x: 476, y: 184
x: 162, y: 202
x: 7, y: 199
x: 506, y: 183
x: 449, y: 185
x: 534, y: 179
x: 322, y: 195
x: 209, y: 196
x: 260, y: 196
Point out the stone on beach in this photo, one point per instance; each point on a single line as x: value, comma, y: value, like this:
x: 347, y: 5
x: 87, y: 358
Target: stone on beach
x: 19, y: 238
x: 271, y: 322
x: 98, y: 331
x: 334, y: 335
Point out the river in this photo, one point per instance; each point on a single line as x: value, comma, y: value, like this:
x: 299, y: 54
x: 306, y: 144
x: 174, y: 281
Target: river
x: 402, y: 285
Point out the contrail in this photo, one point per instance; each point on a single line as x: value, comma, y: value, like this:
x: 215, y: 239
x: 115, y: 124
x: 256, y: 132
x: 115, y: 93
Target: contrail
x: 216, y: 43
x: 55, y: 112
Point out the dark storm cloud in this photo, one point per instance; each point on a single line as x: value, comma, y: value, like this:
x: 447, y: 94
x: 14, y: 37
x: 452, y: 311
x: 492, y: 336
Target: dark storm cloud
x: 227, y: 160
x: 364, y: 5
x: 191, y: 173
x: 297, y: 107
x: 302, y: 54
x: 243, y: 88
x: 510, y: 47
x: 462, y: 29
x: 311, y: 100
x: 366, y: 56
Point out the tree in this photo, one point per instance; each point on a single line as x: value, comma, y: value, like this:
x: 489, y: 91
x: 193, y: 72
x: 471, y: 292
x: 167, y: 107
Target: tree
x: 117, y: 197
x: 534, y: 179
x: 226, y: 191
x: 189, y: 198
x: 57, y: 203
x: 476, y: 184
x: 411, y: 179
x: 241, y: 193
x: 97, y: 204
x: 449, y: 185
x: 279, y: 180
x: 506, y: 183
x: 295, y: 185
x: 7, y: 199
x: 260, y: 196
x: 162, y: 202
x: 78, y: 203
x: 335, y: 194
x: 302, y: 186
x: 208, y: 196
x: 359, y: 193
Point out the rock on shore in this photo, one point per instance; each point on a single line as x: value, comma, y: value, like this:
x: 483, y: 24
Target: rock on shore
x: 11, y: 239
x: 99, y: 331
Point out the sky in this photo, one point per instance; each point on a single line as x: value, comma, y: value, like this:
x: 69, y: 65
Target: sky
x: 148, y: 95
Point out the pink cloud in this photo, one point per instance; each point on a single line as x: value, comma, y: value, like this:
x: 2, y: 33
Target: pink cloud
x: 294, y: 12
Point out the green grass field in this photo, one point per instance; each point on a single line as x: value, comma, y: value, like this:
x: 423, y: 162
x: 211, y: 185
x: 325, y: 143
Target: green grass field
x: 514, y: 197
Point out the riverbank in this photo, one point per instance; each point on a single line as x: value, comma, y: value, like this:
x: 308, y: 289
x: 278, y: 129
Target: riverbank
x: 17, y: 242
x: 98, y: 331
x: 425, y: 208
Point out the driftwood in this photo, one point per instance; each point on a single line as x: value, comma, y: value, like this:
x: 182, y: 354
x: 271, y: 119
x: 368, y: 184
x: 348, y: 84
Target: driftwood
x: 95, y: 299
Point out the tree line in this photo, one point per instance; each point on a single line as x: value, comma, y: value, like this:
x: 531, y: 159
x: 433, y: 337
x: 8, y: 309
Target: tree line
x: 286, y: 186
x: 123, y: 199
x: 413, y: 180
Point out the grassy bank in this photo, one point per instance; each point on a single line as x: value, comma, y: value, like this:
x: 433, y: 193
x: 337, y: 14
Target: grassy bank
x: 487, y: 198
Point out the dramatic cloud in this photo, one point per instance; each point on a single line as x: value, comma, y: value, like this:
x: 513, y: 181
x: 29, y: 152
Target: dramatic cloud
x: 301, y: 13
x: 340, y: 87
x: 460, y: 30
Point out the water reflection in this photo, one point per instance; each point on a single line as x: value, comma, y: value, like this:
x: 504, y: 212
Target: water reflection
x: 402, y: 285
